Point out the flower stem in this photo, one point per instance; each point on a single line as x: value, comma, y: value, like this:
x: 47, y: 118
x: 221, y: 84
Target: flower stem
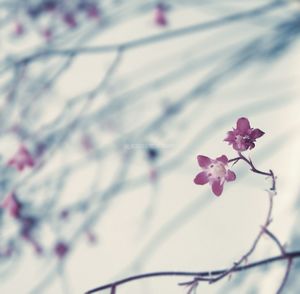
x: 255, y: 170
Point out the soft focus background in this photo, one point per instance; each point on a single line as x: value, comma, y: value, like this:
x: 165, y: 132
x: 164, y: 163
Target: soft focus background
x: 114, y: 100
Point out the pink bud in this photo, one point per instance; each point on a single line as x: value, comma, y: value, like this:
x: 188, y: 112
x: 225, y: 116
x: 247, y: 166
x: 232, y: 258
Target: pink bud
x: 19, y: 29
x: 21, y: 159
x: 91, y: 237
x: 160, y: 18
x: 49, y: 5
x: 92, y: 11
x: 12, y: 205
x: 61, y: 249
x: 70, y: 20
x: 47, y: 34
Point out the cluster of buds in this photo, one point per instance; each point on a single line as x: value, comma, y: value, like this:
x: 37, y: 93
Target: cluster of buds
x: 216, y: 171
x: 67, y: 14
x: 16, y: 209
x: 64, y: 14
x: 27, y: 223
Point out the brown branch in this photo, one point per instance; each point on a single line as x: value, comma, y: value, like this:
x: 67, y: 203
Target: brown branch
x: 245, y: 257
x: 288, y: 255
x: 286, y: 275
x: 283, y: 252
x: 253, y: 247
x: 276, y: 240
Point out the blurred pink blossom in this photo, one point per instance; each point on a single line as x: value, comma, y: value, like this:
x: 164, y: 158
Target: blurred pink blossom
x: 61, y: 249
x: 12, y: 205
x: 21, y: 159
x: 92, y: 11
x: 19, y: 29
x: 160, y: 18
x: 70, y: 20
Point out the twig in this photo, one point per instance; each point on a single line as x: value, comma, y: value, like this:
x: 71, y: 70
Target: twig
x: 157, y: 38
x: 289, y: 260
x: 255, y: 170
x: 285, y: 278
x: 288, y: 255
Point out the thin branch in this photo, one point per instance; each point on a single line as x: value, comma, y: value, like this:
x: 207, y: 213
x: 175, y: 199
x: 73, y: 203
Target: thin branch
x: 253, y: 247
x: 257, y: 171
x: 275, y: 239
x: 285, y: 278
x: 288, y: 255
x: 160, y: 37
x: 289, y: 260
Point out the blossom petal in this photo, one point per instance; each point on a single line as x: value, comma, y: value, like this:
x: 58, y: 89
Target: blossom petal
x: 257, y: 133
x: 204, y: 161
x: 230, y: 137
x: 243, y: 124
x: 223, y: 159
x: 201, y: 179
x: 217, y: 187
x: 230, y: 176
x: 251, y: 145
x: 239, y: 147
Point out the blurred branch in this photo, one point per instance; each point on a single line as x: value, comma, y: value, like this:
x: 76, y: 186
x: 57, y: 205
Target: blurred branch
x: 156, y: 38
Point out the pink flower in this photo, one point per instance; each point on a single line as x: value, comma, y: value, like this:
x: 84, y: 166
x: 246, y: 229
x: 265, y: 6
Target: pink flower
x: 12, y: 205
x: 160, y: 15
x: 215, y: 172
x: 21, y: 159
x: 243, y: 137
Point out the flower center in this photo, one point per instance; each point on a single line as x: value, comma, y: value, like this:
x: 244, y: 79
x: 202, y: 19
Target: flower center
x: 217, y: 170
x: 241, y: 141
